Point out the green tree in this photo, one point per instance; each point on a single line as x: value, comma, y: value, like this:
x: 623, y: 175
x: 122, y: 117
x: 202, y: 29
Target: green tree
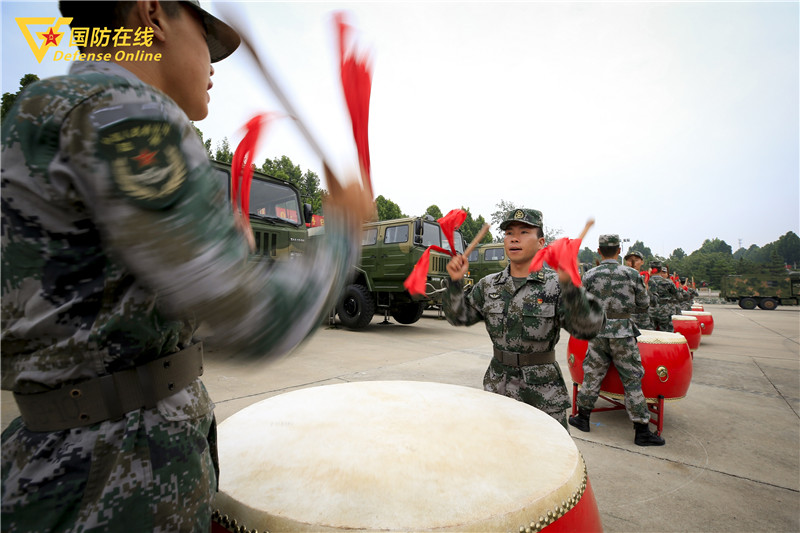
x: 9, y: 98
x: 587, y: 256
x: 503, y: 207
x: 434, y: 211
x: 788, y: 247
x: 307, y: 182
x: 387, y: 209
x: 471, y: 227
x: 677, y: 254
x: 716, y: 246
x: 206, y: 143
x: 223, y: 153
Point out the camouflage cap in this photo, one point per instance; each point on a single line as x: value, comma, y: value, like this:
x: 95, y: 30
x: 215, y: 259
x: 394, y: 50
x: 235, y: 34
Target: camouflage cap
x: 531, y: 217
x: 222, y: 39
x: 610, y: 239
x: 664, y: 269
x: 635, y: 253
x: 655, y: 264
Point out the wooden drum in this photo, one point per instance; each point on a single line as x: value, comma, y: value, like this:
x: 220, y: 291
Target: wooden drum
x: 666, y: 359
x: 399, y: 456
x: 705, y: 319
x: 689, y: 327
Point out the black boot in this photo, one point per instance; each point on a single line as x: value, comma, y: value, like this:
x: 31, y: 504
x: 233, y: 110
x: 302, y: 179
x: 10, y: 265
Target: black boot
x: 582, y: 420
x: 645, y: 437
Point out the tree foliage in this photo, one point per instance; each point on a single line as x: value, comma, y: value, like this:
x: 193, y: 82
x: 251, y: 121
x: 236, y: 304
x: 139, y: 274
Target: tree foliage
x: 471, y: 227
x: 387, y: 209
x: 434, y: 211
x: 10, y: 98
x: 307, y: 182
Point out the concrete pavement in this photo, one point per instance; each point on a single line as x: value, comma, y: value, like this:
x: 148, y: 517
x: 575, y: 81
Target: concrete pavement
x: 732, y: 458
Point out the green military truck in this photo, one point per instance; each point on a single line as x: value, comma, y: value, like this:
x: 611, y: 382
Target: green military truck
x: 487, y: 259
x: 277, y: 216
x: 766, y: 291
x: 389, y: 251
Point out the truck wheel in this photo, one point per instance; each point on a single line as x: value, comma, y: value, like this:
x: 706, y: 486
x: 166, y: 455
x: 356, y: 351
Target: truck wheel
x: 408, y: 313
x: 747, y: 303
x: 768, y: 304
x: 355, y: 307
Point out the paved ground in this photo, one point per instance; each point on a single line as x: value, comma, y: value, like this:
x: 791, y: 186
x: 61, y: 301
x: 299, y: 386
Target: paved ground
x: 732, y: 459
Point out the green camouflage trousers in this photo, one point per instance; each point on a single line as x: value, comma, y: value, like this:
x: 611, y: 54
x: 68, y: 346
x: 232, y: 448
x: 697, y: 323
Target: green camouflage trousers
x: 624, y: 353
x: 540, y: 386
x: 662, y: 318
x: 140, y: 474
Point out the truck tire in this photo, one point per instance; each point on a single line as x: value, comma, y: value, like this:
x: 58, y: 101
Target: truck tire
x: 748, y: 303
x: 408, y: 313
x: 768, y: 304
x: 355, y: 308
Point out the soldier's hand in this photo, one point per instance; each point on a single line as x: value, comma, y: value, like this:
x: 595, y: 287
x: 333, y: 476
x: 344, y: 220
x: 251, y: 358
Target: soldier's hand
x: 242, y: 226
x: 563, y: 276
x: 353, y: 198
x: 457, y: 267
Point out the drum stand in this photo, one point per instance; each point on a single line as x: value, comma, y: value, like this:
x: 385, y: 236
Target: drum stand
x: 655, y: 407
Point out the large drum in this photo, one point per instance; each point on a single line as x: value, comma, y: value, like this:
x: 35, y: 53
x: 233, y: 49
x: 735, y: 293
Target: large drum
x: 399, y: 456
x: 666, y: 359
x: 697, y: 307
x: 689, y: 327
x: 705, y: 319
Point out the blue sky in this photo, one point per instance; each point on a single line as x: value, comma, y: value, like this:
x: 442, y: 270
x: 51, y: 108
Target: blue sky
x: 668, y: 122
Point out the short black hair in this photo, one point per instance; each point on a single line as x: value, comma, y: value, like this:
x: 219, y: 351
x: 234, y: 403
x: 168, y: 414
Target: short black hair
x: 608, y: 251
x: 539, y: 231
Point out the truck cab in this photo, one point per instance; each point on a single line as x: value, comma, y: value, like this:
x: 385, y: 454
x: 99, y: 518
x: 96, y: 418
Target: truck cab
x: 487, y: 259
x: 389, y: 251
x: 277, y: 216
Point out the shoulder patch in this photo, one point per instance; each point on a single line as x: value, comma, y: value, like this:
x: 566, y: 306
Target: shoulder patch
x: 147, y: 165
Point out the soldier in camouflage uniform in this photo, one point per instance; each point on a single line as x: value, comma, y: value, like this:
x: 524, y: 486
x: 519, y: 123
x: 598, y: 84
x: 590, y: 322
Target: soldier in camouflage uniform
x: 635, y: 260
x: 622, y: 291
x: 524, y: 314
x: 663, y: 296
x: 115, y: 238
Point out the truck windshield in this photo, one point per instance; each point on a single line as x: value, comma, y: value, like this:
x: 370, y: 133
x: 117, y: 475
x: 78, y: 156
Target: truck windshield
x: 433, y: 234
x: 268, y: 199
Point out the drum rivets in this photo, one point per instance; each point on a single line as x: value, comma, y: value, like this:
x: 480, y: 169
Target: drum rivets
x: 234, y: 524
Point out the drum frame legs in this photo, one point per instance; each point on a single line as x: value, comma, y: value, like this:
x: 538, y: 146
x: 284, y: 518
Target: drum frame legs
x: 656, y: 408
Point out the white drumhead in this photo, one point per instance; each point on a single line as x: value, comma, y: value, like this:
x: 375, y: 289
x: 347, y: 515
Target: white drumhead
x: 684, y: 318
x: 395, y: 456
x: 650, y: 336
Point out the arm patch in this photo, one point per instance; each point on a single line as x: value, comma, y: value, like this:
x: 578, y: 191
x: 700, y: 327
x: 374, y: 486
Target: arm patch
x: 145, y: 160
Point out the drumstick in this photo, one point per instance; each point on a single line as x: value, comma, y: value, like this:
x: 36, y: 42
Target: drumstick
x: 476, y: 240
x: 281, y: 96
x: 589, y: 224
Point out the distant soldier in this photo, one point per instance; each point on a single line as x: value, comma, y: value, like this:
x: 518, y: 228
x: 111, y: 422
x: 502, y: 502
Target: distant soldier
x: 524, y: 313
x: 622, y: 291
x: 635, y: 260
x: 663, y: 296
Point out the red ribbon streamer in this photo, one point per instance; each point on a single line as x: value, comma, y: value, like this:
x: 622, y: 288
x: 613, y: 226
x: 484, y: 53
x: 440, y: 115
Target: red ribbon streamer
x: 415, y: 283
x: 561, y: 254
x: 242, y: 166
x: 357, y: 86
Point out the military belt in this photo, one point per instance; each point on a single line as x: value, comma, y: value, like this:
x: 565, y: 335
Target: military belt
x: 617, y: 315
x: 109, y: 397
x: 524, y: 359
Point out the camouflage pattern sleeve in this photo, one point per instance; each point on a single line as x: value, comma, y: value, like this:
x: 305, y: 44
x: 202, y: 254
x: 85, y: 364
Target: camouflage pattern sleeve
x: 582, y: 314
x: 642, y: 298
x: 461, y: 308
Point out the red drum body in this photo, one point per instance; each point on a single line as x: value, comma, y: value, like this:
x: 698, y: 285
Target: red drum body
x: 666, y: 359
x: 705, y: 319
x: 689, y: 327
x: 697, y: 307
x: 399, y: 456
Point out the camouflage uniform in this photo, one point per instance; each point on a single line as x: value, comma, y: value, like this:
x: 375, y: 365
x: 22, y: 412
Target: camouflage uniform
x: 114, y: 235
x: 642, y: 319
x: 621, y: 291
x: 664, y: 294
x: 526, y: 320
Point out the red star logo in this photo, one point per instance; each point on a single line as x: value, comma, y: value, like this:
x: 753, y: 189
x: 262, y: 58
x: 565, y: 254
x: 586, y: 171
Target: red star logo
x: 51, y: 37
x: 145, y: 158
